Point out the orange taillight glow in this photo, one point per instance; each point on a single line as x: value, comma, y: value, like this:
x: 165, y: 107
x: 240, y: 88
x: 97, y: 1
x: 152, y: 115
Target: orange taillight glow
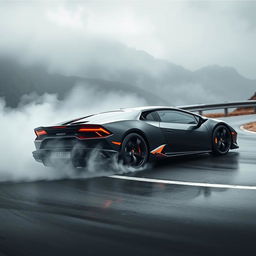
x: 93, y: 131
x: 40, y: 132
x: 100, y: 129
x: 116, y: 143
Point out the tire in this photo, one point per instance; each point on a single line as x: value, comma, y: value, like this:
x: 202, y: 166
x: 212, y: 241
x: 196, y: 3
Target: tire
x: 78, y: 157
x: 134, y: 151
x: 221, y: 140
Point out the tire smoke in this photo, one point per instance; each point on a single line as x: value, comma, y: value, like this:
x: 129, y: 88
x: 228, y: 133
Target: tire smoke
x: 17, y: 135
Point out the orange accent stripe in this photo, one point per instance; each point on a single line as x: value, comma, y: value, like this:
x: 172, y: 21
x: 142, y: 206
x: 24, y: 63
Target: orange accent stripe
x: 116, y: 143
x: 158, y: 150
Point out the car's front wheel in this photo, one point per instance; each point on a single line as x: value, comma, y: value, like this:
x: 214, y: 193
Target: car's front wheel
x: 134, y: 151
x: 221, y: 140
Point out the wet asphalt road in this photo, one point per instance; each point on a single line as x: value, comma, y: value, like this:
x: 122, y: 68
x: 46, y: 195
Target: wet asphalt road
x: 105, y: 216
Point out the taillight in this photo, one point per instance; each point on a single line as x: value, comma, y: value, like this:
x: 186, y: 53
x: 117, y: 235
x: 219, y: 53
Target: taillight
x: 93, y: 131
x: 40, y: 132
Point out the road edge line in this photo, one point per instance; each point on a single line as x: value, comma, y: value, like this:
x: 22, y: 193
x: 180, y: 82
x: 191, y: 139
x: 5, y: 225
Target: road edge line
x: 184, y: 183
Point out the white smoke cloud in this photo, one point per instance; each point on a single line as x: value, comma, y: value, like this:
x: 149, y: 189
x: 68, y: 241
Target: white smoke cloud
x: 17, y: 135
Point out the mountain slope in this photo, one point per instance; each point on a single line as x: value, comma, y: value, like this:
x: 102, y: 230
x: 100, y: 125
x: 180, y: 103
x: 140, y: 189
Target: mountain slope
x: 130, y: 72
x: 17, y: 80
x: 225, y: 82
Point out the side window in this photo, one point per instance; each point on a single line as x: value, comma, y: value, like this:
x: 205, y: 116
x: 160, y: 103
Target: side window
x: 173, y: 116
x: 147, y: 116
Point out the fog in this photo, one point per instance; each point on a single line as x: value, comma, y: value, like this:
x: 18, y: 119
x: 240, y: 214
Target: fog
x: 17, y: 135
x: 192, y: 34
x: 154, y: 45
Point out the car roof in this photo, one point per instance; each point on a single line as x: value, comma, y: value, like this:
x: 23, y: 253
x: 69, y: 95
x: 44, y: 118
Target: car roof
x: 115, y: 115
x: 147, y: 108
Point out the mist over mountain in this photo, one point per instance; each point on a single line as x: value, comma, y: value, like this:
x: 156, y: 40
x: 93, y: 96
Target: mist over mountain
x: 158, y: 82
x: 17, y: 80
x: 135, y: 49
x: 193, y: 34
x: 225, y: 82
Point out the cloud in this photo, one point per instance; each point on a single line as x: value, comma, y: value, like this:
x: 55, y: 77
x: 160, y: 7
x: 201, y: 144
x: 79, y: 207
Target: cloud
x: 190, y: 33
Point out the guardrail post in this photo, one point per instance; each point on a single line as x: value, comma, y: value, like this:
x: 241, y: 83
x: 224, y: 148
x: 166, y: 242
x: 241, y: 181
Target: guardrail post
x: 226, y: 111
x: 200, y: 112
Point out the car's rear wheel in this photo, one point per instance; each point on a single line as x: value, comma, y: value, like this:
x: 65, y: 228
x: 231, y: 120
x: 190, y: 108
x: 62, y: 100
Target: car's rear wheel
x: 221, y: 140
x: 134, y: 151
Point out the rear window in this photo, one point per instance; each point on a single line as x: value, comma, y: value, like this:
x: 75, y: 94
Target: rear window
x: 148, y: 116
x: 105, y: 117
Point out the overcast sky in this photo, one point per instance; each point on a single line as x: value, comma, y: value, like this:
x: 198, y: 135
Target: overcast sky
x: 192, y: 34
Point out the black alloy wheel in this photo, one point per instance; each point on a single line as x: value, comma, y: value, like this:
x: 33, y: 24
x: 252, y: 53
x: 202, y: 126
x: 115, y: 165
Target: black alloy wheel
x: 221, y: 140
x: 134, y: 151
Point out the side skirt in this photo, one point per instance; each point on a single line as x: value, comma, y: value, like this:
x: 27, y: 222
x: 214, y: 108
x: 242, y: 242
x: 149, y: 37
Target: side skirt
x: 186, y: 153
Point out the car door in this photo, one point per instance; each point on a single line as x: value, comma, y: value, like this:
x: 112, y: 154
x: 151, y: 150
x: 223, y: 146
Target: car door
x: 181, y: 131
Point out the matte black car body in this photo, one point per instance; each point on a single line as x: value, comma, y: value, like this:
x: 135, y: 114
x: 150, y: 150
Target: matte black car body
x: 106, y: 132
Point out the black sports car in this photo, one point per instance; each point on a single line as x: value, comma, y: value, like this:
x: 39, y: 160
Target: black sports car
x: 136, y: 135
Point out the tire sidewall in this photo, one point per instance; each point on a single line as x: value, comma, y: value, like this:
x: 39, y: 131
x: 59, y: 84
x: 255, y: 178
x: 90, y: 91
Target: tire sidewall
x: 215, y: 150
x: 124, y: 142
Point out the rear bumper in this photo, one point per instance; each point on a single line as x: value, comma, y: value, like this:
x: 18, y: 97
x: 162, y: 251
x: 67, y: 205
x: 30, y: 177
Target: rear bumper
x: 51, y: 149
x: 47, y: 156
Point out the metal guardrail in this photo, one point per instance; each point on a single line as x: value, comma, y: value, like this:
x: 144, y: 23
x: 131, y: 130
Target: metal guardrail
x: 225, y: 106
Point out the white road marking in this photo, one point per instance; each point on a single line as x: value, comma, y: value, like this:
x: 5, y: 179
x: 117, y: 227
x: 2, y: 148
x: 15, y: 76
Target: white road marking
x: 183, y: 183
